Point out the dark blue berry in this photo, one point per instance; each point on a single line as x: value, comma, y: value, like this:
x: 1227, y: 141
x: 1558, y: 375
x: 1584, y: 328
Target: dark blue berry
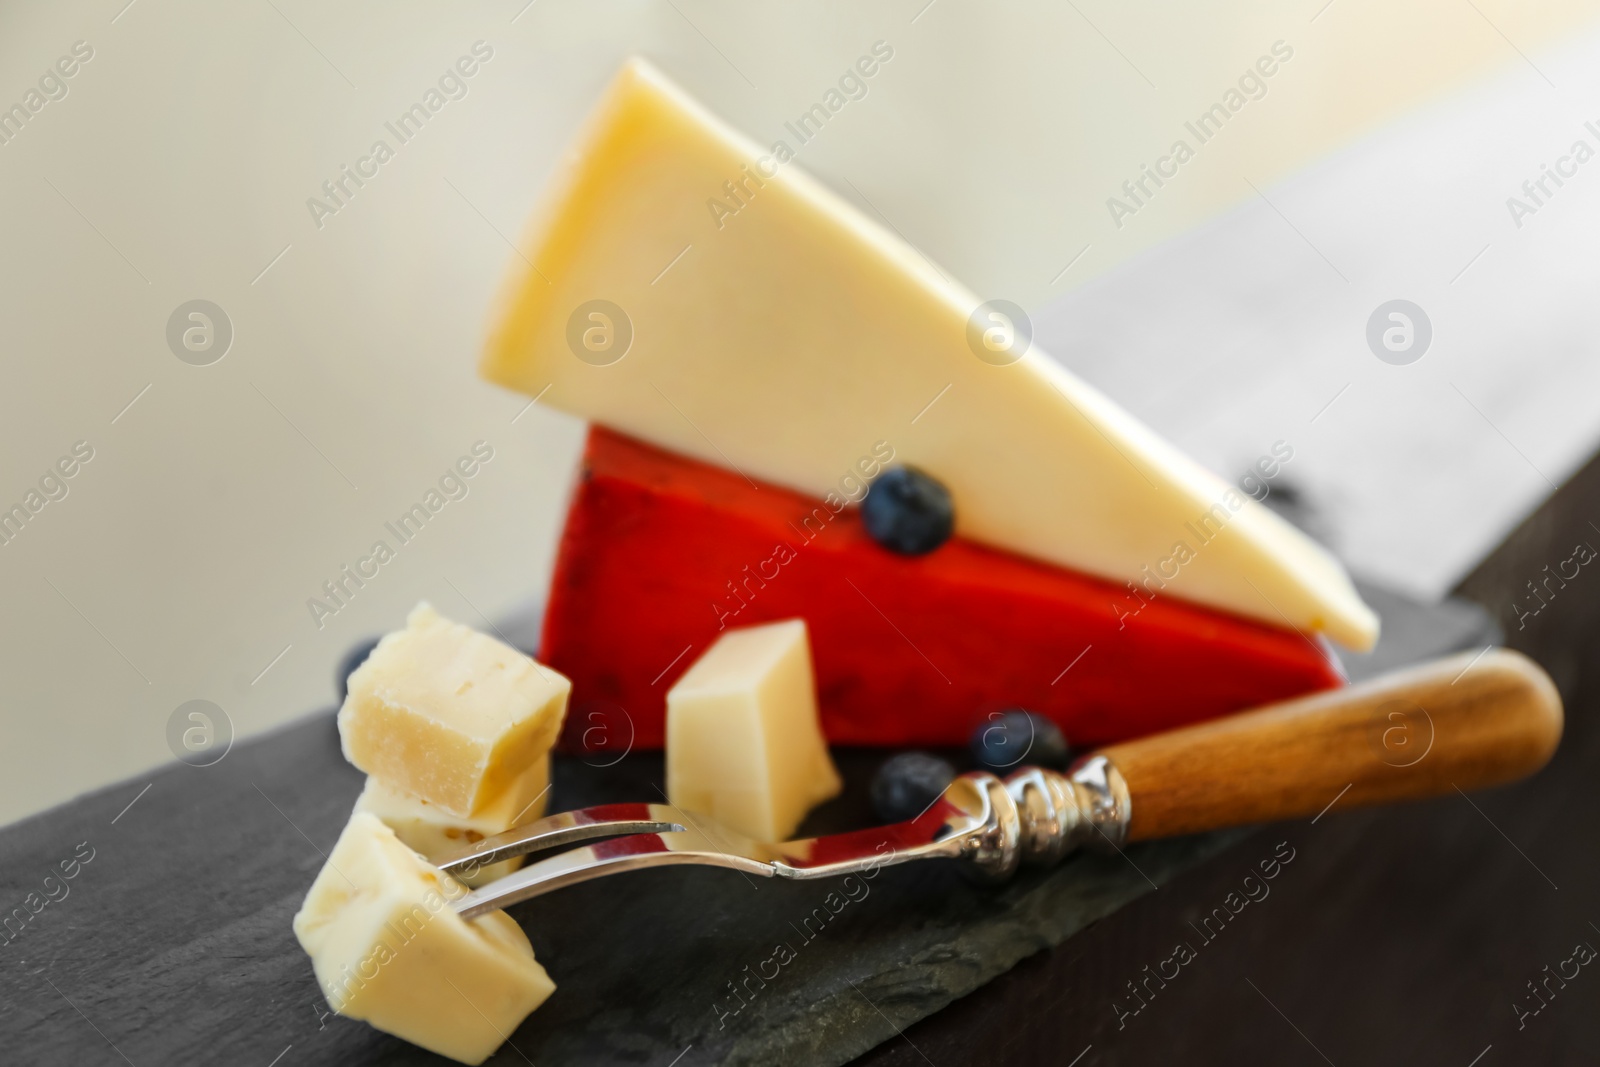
x: 908, y: 512
x: 353, y: 659
x: 907, y: 783
x: 1012, y: 738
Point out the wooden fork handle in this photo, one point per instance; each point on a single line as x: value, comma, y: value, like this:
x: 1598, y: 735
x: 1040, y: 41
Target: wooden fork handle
x: 1463, y: 722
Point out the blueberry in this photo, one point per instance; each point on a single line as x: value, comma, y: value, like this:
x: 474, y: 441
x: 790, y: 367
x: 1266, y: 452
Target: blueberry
x: 907, y: 783
x: 353, y: 659
x: 908, y: 511
x: 1011, y: 738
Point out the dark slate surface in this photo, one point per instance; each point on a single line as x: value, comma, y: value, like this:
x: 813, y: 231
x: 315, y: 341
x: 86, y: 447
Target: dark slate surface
x: 172, y: 943
x: 1400, y: 937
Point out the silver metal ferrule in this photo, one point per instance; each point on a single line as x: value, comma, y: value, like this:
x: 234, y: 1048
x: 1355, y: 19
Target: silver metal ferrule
x: 1088, y: 807
x: 1104, y: 794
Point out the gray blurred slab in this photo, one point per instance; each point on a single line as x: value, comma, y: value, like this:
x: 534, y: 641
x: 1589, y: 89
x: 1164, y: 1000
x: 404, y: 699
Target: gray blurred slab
x: 173, y: 943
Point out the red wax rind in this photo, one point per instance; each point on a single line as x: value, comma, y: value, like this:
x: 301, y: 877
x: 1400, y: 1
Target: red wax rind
x: 661, y: 552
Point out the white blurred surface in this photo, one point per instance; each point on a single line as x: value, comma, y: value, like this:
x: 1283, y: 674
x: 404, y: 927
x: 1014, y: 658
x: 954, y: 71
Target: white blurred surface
x: 179, y: 163
x: 1253, y: 329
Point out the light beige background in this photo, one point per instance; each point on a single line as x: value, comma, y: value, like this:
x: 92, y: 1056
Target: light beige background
x: 178, y: 167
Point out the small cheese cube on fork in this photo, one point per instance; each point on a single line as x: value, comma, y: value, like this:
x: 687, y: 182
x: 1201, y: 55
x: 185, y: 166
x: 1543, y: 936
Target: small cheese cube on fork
x: 388, y: 947
x: 434, y: 832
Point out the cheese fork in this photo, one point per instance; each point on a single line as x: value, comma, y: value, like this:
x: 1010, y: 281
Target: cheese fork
x: 1463, y: 722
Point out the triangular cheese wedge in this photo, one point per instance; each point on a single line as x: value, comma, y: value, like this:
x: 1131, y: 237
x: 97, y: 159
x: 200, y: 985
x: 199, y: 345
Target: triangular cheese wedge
x: 769, y: 326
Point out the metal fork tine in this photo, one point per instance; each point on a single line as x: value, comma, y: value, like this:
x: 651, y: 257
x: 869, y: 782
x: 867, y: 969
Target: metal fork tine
x: 565, y: 828
x: 629, y: 853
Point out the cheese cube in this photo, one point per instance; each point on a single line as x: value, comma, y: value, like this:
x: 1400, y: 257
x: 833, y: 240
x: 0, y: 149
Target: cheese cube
x: 448, y: 714
x: 432, y: 831
x: 744, y: 743
x: 387, y: 947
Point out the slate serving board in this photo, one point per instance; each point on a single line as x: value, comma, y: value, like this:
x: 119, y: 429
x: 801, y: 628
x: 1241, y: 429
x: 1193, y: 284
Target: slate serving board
x: 172, y: 941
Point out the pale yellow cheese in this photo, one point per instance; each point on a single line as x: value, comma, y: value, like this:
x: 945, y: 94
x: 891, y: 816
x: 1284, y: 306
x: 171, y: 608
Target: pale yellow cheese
x: 449, y: 714
x: 430, y: 830
x: 771, y: 326
x: 744, y: 742
x: 387, y: 947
